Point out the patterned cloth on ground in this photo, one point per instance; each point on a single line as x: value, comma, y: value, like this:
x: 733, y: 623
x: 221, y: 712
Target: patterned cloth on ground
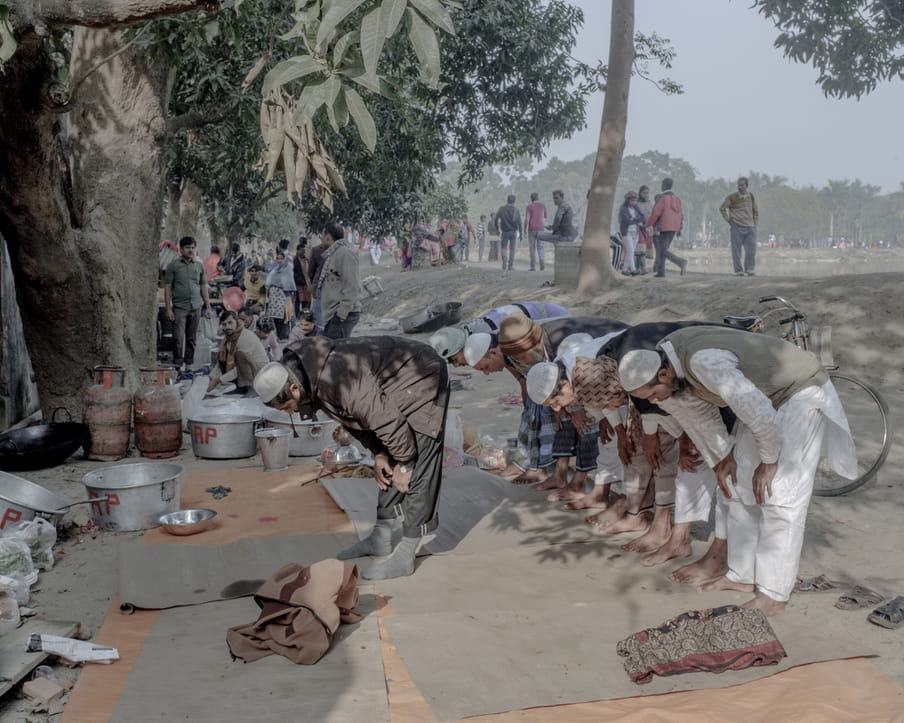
x: 712, y: 640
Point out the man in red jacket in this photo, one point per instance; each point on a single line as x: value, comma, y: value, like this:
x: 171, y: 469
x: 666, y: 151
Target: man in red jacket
x: 667, y: 214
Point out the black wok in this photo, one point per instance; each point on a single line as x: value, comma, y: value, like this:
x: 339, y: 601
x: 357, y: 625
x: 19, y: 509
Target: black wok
x: 41, y: 446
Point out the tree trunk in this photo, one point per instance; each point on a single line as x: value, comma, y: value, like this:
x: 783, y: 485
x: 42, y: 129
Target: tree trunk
x: 80, y: 211
x: 596, y: 273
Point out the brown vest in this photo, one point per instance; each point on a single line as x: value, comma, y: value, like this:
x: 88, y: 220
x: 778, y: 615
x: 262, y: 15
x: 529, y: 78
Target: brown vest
x: 776, y: 367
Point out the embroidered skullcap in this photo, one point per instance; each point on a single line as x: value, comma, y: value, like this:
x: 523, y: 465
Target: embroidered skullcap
x: 476, y: 347
x: 638, y: 368
x: 517, y: 333
x: 448, y: 341
x: 542, y: 380
x: 270, y: 381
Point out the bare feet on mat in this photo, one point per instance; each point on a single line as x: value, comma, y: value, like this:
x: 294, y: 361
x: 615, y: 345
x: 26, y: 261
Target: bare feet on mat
x: 765, y: 603
x: 628, y: 523
x: 723, y: 583
x: 565, y: 494
x: 712, y: 565
x: 652, y: 540
x: 550, y: 483
x: 669, y: 551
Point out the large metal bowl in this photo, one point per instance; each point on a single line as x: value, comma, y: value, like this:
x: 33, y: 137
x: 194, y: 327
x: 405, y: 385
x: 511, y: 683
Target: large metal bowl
x: 187, y: 522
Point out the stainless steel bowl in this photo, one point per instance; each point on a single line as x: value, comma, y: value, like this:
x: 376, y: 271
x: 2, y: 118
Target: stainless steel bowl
x: 187, y: 522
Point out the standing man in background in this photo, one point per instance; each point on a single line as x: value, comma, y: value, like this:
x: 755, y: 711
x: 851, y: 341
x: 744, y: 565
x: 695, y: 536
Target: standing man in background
x: 668, y: 216
x: 740, y: 210
x: 184, y: 291
x: 534, y: 224
x: 339, y: 285
x: 508, y: 219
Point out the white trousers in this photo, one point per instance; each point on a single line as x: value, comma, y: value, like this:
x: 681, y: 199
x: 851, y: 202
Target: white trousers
x: 609, y: 468
x: 694, y: 498
x: 629, y: 241
x: 764, y: 541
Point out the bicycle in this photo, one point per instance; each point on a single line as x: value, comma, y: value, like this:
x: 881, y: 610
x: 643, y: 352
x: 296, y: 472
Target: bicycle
x: 866, y: 410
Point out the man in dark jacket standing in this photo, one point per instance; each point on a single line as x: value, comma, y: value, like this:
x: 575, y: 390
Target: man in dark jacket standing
x: 508, y: 218
x: 391, y: 394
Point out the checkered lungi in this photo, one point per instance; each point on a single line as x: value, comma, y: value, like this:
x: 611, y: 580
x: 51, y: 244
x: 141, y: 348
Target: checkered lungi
x: 536, y: 433
x: 584, y: 448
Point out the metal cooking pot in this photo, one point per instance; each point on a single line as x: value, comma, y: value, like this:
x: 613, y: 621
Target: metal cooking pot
x: 313, y: 434
x: 41, y: 445
x: 133, y: 496
x: 413, y: 319
x: 224, y: 436
x: 22, y: 501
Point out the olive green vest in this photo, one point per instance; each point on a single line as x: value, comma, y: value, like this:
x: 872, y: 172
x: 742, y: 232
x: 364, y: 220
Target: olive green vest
x: 776, y: 367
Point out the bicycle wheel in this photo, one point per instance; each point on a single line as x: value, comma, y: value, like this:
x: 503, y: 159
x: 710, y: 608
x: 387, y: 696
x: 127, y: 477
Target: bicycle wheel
x: 867, y: 415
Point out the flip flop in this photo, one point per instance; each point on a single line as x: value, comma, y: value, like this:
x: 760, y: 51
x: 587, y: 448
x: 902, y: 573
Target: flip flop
x: 858, y: 597
x: 890, y: 615
x: 820, y: 583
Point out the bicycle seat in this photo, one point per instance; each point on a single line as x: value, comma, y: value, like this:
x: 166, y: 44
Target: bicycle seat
x: 741, y: 322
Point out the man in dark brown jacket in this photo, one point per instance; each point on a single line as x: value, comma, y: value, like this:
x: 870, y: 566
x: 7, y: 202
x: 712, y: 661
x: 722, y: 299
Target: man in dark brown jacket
x: 391, y: 394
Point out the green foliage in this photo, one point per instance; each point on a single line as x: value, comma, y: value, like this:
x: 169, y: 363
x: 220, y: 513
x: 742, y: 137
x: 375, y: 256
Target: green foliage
x: 854, y: 44
x: 7, y: 39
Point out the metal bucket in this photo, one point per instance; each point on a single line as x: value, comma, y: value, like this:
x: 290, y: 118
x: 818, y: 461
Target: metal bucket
x: 313, y: 434
x: 136, y: 494
x: 274, y: 446
x: 223, y: 436
x: 20, y: 500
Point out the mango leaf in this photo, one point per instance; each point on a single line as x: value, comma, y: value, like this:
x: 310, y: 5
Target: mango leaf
x: 336, y: 12
x: 296, y: 31
x: 392, y: 11
x: 340, y: 108
x: 255, y: 70
x: 357, y: 73
x: 309, y: 102
x: 425, y: 45
x: 342, y: 45
x: 372, y: 38
x: 363, y: 120
x: 297, y: 67
x: 7, y: 39
x: 436, y: 14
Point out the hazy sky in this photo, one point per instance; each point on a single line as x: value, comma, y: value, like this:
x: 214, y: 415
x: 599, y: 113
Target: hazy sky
x: 744, y: 106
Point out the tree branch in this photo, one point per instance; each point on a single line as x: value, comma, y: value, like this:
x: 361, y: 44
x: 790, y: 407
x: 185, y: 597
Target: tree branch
x: 43, y: 14
x: 191, y: 120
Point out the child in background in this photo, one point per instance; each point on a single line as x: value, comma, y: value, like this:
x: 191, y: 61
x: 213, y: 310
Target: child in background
x: 304, y: 327
x: 267, y: 336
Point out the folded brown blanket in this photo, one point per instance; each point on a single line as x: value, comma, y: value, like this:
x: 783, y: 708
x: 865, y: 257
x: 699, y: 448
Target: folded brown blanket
x: 301, y: 608
x: 712, y: 640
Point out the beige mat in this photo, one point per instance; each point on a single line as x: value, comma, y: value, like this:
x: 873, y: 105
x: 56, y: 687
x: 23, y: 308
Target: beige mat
x: 467, y: 495
x: 185, y: 672
x: 547, y: 632
x: 164, y: 576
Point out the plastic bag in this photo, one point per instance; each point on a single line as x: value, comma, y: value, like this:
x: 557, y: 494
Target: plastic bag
x: 15, y: 559
x: 492, y: 453
x: 453, y: 452
x: 191, y: 402
x: 40, y: 536
x: 209, y: 327
x: 17, y: 586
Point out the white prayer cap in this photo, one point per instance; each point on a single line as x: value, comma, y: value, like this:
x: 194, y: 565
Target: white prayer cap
x: 542, y: 380
x: 638, y: 368
x: 476, y: 347
x: 573, y: 342
x: 448, y: 341
x: 270, y: 381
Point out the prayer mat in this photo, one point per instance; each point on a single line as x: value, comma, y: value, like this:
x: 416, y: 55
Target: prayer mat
x: 165, y: 576
x: 467, y: 495
x: 711, y: 641
x: 185, y: 672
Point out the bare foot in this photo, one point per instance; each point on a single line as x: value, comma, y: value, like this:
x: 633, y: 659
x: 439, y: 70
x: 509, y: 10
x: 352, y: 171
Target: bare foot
x: 529, y: 477
x: 765, y: 603
x: 550, y: 483
x: 723, y: 583
x: 712, y: 565
x: 628, y: 523
x: 652, y: 540
x: 669, y: 551
x: 610, y: 515
x: 565, y: 493
x: 598, y: 498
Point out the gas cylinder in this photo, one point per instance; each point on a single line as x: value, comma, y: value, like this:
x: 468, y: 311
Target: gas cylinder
x: 108, y: 414
x: 157, y: 413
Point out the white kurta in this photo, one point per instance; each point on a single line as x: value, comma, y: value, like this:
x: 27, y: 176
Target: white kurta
x: 764, y: 541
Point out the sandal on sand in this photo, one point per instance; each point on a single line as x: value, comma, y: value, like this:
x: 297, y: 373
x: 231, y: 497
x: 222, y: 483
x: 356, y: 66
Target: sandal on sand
x: 858, y: 597
x: 890, y: 615
x: 820, y: 583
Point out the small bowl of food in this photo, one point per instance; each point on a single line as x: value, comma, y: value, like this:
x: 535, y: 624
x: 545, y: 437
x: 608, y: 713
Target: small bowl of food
x: 187, y: 522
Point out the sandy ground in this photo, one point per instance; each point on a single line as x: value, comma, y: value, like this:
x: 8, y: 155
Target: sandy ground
x: 848, y: 537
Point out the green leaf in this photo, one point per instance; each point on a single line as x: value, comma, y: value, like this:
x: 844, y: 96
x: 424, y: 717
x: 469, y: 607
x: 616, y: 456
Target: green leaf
x: 392, y: 11
x: 357, y: 73
x: 340, y: 108
x: 363, y: 120
x: 7, y: 39
x: 436, y: 14
x: 309, y: 102
x: 331, y: 89
x: 426, y: 47
x: 297, y: 67
x: 336, y: 12
x: 372, y: 39
x: 342, y: 45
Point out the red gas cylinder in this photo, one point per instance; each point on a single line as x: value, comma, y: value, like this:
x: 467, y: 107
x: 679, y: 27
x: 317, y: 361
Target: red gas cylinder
x: 158, y: 413
x: 108, y: 414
